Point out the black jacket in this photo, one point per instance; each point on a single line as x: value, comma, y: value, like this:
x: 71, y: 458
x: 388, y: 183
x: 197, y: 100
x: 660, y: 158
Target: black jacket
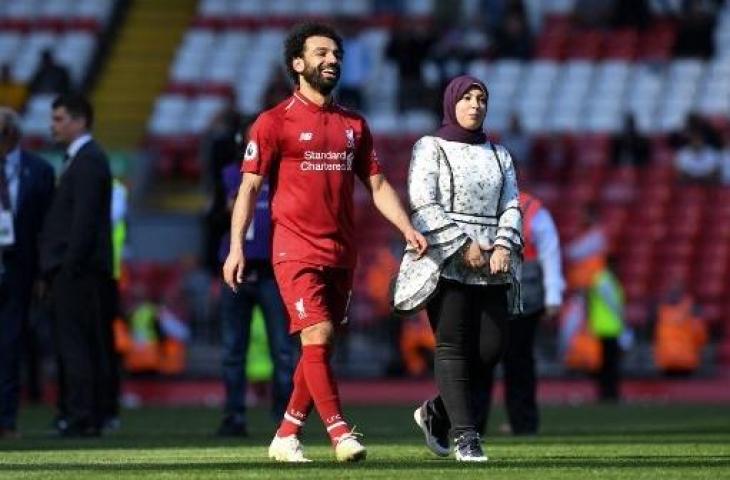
x: 76, y: 236
x: 34, y: 196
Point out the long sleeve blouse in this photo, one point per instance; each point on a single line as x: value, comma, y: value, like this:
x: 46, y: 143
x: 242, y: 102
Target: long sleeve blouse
x: 458, y: 192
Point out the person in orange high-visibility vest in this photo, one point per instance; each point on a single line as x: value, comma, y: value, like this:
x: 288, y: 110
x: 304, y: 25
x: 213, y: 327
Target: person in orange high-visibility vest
x: 586, y: 254
x: 542, y: 295
x: 679, y: 335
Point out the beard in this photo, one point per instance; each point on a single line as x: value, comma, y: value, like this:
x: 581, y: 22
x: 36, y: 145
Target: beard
x: 324, y: 85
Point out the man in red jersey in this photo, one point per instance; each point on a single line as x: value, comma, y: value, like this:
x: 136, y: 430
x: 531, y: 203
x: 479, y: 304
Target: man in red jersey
x: 312, y: 150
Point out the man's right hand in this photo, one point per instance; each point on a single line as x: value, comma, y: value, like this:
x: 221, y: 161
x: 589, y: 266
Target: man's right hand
x: 233, y: 268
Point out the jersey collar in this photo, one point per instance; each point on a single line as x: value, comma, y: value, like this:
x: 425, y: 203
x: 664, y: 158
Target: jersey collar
x: 311, y: 106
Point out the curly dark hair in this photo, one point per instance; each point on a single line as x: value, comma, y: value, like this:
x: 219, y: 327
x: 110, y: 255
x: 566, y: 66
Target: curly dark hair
x: 294, y: 43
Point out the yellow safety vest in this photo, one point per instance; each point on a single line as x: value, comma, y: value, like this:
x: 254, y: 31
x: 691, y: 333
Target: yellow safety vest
x: 606, y: 306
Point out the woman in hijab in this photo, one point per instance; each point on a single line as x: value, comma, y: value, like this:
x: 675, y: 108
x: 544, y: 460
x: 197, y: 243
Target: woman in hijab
x: 464, y: 198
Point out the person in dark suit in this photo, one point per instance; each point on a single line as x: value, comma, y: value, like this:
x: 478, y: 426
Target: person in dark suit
x: 76, y: 259
x: 26, y: 187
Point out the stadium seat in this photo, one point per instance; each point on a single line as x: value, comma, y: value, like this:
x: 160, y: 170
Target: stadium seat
x: 647, y: 81
x: 656, y: 42
x: 621, y: 45
x: 37, y: 116
x: 75, y: 49
x: 585, y: 45
x: 200, y: 113
x: 713, y: 94
x: 9, y: 44
x: 168, y: 115
x: 27, y: 59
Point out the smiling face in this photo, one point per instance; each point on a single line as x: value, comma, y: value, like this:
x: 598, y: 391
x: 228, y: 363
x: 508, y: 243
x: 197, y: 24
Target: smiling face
x: 320, y: 64
x: 471, y: 109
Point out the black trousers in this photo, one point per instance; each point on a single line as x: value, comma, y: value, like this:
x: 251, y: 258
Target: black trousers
x: 109, y: 304
x: 609, y: 375
x: 81, y: 346
x: 470, y: 323
x: 520, y: 386
x: 14, y: 301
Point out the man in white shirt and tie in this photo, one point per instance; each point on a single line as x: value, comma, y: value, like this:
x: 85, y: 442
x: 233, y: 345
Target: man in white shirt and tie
x: 26, y: 187
x: 76, y: 258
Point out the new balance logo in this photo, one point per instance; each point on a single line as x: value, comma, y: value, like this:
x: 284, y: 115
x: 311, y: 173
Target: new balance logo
x: 305, y: 136
x: 299, y: 305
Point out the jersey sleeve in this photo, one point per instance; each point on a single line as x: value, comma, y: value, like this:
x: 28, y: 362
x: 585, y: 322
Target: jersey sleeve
x: 262, y: 148
x: 366, y: 161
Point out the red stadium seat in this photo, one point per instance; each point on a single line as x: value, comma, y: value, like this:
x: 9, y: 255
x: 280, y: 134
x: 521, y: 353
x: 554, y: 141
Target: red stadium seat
x: 637, y: 314
x: 551, y: 47
x: 710, y: 288
x: 712, y: 313
x: 656, y: 43
x: 621, y: 44
x: 585, y: 45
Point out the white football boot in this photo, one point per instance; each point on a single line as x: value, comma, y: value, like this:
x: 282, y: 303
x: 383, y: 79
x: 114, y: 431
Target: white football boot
x: 349, y: 449
x: 287, y: 449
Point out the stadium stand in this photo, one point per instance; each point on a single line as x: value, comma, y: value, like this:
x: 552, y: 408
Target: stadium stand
x: 136, y: 68
x: 575, y: 92
x: 572, y: 95
x: 569, y: 86
x: 70, y: 28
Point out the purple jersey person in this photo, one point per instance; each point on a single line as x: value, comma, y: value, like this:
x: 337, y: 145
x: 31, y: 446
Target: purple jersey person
x: 236, y: 311
x: 258, y: 237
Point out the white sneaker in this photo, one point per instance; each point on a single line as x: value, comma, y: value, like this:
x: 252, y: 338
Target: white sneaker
x: 349, y: 449
x: 468, y: 448
x: 287, y: 449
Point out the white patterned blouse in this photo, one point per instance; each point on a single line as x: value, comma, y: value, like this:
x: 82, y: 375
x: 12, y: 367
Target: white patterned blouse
x: 457, y: 192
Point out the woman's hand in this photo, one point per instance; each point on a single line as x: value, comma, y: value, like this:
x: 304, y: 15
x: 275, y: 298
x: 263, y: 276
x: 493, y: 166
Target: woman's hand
x: 416, y: 241
x: 499, y: 261
x: 473, y: 256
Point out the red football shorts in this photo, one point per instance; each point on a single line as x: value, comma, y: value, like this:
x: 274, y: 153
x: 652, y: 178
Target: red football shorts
x: 314, y: 294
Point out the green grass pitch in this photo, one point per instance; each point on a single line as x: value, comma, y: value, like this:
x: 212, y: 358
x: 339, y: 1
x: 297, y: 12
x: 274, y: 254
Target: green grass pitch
x: 627, y: 442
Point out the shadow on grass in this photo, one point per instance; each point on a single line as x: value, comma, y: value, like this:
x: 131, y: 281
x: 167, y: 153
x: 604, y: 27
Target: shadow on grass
x: 626, y: 462
x: 167, y: 428
x: 167, y: 440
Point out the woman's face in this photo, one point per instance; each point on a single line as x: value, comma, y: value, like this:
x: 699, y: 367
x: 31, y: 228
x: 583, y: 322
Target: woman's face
x: 471, y: 109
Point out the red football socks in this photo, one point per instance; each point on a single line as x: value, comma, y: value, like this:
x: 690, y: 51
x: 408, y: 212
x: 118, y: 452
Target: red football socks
x: 322, y: 387
x: 300, y: 404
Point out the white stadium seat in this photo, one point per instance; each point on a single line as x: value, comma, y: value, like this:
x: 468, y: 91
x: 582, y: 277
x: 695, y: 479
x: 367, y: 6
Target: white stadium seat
x: 169, y: 115
x: 37, y: 117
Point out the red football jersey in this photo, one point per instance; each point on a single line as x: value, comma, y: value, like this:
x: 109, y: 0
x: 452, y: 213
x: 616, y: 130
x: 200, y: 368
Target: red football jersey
x: 311, y: 155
